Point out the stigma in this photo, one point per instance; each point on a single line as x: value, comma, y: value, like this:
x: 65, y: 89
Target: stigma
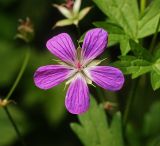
x: 79, y: 66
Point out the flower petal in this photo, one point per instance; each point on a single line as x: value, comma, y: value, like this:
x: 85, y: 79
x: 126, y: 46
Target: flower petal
x: 77, y: 98
x: 95, y: 42
x: 107, y: 77
x: 62, y: 47
x: 49, y: 76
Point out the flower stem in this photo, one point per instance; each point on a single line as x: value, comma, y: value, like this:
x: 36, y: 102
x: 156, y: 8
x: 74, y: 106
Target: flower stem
x: 27, y: 55
x: 130, y: 100
x: 142, y: 5
x: 14, y: 125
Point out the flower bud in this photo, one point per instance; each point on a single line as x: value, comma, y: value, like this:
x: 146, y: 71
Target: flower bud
x: 25, y: 30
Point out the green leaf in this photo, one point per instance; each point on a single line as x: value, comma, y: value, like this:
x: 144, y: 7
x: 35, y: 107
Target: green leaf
x: 139, y: 51
x: 151, y: 120
x: 133, y: 137
x: 149, y: 20
x: 94, y: 129
x: 116, y: 33
x: 134, y: 66
x: 156, y: 54
x: 155, y: 75
x: 156, y: 66
x: 149, y: 28
x: 155, y: 80
x: 7, y: 132
x: 124, y: 46
x: 124, y: 13
x: 109, y: 27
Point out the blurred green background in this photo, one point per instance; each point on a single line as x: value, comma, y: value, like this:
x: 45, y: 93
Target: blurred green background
x: 40, y: 115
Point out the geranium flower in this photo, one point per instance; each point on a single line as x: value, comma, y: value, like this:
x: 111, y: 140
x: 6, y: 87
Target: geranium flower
x: 78, y: 68
x: 71, y: 10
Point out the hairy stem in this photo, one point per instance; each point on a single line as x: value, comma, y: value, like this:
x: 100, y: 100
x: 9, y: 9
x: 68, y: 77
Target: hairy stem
x: 14, y: 125
x: 142, y: 5
x: 26, y: 58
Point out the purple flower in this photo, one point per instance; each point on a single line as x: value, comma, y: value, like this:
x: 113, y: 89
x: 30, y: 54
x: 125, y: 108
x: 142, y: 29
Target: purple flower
x: 78, y: 68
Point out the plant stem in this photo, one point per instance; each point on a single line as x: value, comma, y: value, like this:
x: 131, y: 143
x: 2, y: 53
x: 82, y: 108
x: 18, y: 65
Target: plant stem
x: 27, y: 55
x: 14, y: 125
x: 130, y: 100
x: 154, y: 37
x: 142, y: 5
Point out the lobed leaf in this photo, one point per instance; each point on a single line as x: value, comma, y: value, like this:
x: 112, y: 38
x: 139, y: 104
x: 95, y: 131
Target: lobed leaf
x: 134, y: 66
x: 124, y: 13
x: 149, y: 20
x: 94, y: 129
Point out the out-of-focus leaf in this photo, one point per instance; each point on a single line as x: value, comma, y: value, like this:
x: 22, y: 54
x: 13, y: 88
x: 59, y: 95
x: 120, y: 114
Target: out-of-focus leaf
x: 94, y: 129
x: 52, y: 101
x: 7, y: 132
x: 132, y: 136
x: 6, y: 2
x: 54, y: 106
x: 134, y: 66
x: 154, y: 141
x: 148, y: 22
x: 124, y: 12
x: 8, y: 26
x: 10, y: 61
x: 151, y: 120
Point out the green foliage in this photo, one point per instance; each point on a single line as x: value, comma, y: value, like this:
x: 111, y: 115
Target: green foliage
x: 133, y: 65
x: 94, y: 129
x: 141, y: 63
x: 7, y: 132
x: 126, y: 15
x: 152, y: 120
x: 9, y: 55
x: 151, y: 125
x: 130, y: 29
x: 51, y: 101
x: 149, y: 20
